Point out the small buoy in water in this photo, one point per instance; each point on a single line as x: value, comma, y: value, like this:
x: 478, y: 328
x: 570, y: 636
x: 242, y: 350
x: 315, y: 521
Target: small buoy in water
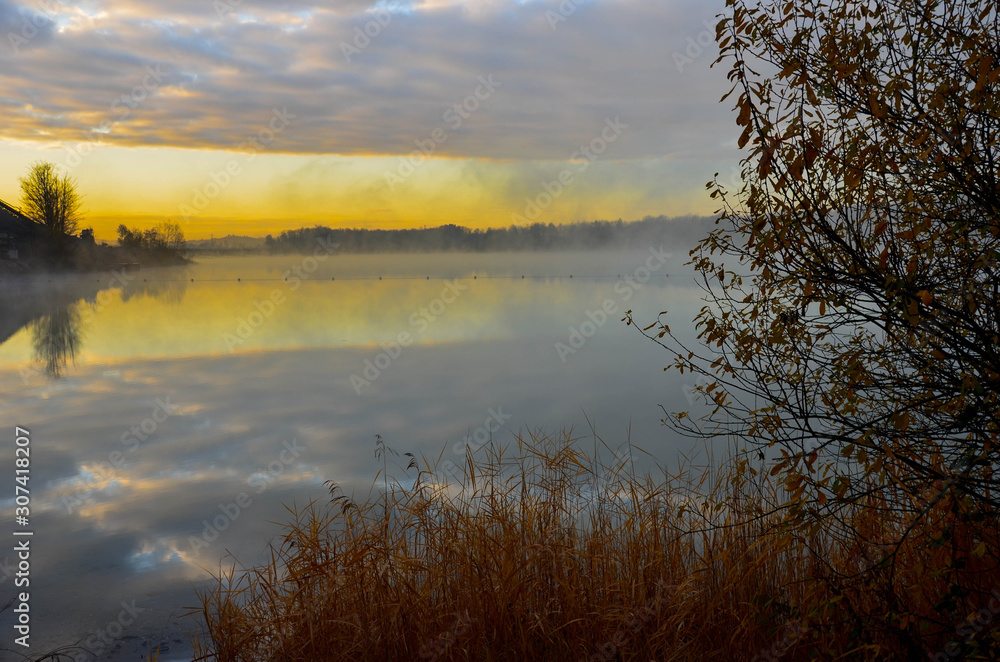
x: 428, y: 278
x: 192, y: 280
x: 380, y: 278
x: 238, y: 279
x: 332, y: 278
x: 571, y: 275
x: 474, y: 277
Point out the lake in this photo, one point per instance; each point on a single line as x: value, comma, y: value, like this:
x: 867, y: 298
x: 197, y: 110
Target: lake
x: 174, y: 413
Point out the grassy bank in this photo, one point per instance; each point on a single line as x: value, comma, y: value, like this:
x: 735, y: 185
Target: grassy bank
x: 539, y: 551
x: 80, y: 256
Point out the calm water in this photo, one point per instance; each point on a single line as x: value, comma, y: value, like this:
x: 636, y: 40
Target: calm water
x: 154, y: 403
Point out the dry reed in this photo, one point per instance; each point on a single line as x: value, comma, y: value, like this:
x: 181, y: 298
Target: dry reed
x: 538, y: 551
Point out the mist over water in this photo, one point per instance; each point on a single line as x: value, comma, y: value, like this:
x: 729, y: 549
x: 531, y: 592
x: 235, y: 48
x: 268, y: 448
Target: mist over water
x: 175, y: 412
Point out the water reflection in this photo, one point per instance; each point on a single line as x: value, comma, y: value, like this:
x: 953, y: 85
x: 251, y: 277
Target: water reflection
x: 165, y: 285
x: 177, y: 399
x: 55, y: 312
x: 56, y: 339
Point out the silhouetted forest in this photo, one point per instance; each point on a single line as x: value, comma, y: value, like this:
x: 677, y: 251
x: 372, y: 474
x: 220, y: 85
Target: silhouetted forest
x: 650, y: 231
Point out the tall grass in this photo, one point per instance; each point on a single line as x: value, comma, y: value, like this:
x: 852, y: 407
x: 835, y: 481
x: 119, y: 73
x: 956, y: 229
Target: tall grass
x: 538, y: 551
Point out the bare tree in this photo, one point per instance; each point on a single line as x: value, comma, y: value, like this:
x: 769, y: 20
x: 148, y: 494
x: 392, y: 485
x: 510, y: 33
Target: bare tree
x: 172, y: 235
x: 51, y: 200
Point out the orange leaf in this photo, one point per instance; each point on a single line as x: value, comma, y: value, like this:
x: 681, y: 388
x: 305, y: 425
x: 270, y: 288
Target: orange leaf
x: 744, y: 116
x: 744, y: 138
x: 903, y: 421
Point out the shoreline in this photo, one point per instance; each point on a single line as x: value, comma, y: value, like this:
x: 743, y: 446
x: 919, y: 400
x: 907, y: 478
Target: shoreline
x: 91, y: 260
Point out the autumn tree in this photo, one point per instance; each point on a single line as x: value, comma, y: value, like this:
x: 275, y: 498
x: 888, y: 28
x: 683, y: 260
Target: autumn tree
x: 50, y: 199
x: 851, y: 339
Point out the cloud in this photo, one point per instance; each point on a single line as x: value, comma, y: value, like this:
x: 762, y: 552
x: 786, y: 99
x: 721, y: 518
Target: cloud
x: 218, y: 75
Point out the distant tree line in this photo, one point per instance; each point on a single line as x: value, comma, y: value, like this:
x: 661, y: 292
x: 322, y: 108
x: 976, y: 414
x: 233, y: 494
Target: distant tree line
x: 164, y: 237
x: 685, y: 230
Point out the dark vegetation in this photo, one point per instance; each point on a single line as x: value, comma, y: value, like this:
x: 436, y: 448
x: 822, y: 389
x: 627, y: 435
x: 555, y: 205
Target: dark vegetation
x: 40, y: 235
x: 650, y: 231
x: 165, y: 238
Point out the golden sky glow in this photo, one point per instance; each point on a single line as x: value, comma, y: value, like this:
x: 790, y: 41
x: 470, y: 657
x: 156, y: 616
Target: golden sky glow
x: 257, y: 120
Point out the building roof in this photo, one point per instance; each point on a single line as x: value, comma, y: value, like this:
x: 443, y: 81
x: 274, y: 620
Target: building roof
x: 13, y: 222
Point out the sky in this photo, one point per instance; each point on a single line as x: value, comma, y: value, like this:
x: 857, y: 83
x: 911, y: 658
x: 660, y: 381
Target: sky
x: 252, y: 117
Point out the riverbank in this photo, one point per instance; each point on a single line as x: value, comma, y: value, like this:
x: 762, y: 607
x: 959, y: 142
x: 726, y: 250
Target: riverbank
x: 91, y: 257
x: 541, y: 552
